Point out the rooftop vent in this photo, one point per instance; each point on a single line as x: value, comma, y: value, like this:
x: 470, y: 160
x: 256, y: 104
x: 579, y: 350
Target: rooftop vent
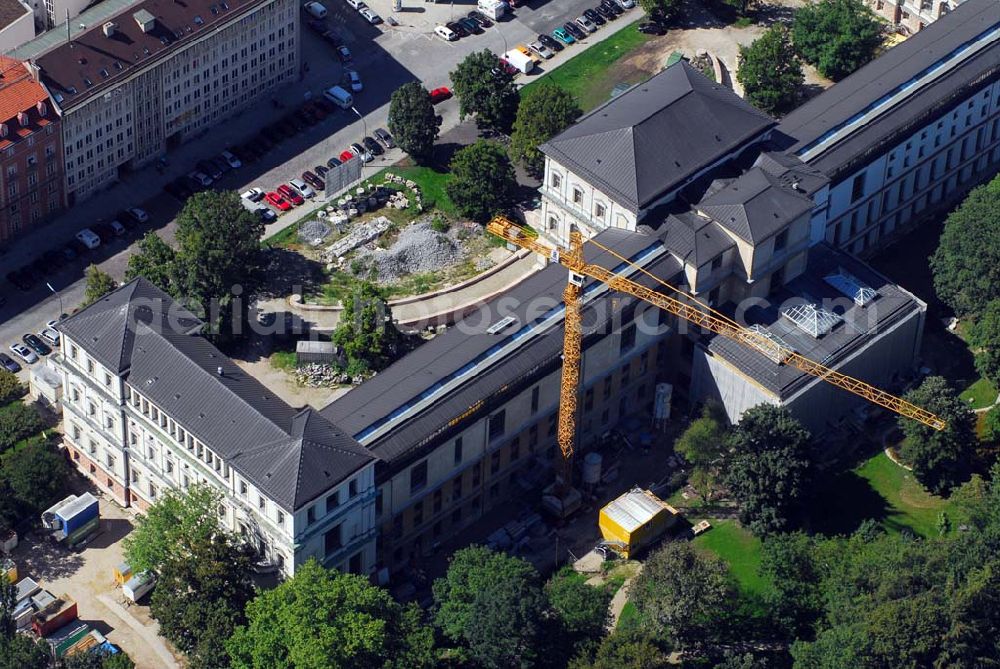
x: 144, y: 20
x: 501, y: 325
x: 198, y: 21
x: 109, y: 29
x: 852, y: 287
x: 812, y: 320
x: 220, y: 371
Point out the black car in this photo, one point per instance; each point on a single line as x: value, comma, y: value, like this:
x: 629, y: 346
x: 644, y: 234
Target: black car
x: 310, y: 178
x: 652, y: 29
x: 53, y: 259
x: 373, y: 147
x: 178, y: 188
x: 104, y: 231
x: 317, y: 25
x: 36, y: 344
x: 321, y: 170
x: 550, y: 42
x: 128, y: 219
x: 457, y: 28
x: 333, y: 162
x: 78, y: 247
x: 69, y: 253
x: 472, y: 26
x: 480, y: 18
x: 575, y: 30
x: 209, y: 168
x: 613, y: 7
x: 605, y: 13
x: 221, y: 163
x: 8, y: 363
x: 594, y: 17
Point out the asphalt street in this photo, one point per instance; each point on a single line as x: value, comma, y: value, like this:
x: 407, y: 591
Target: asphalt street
x: 385, y: 56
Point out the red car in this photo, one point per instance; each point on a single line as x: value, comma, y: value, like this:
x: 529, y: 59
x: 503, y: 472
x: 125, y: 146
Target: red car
x: 278, y: 202
x: 290, y: 194
x: 345, y: 156
x: 440, y: 94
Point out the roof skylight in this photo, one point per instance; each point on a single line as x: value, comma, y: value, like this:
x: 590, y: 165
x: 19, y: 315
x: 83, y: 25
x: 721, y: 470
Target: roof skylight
x: 812, y: 320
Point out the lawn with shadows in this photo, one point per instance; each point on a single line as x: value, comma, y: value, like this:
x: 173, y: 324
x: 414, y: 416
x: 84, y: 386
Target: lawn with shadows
x: 741, y: 551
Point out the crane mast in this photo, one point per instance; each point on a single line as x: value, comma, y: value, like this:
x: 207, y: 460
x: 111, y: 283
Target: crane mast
x: 696, y: 313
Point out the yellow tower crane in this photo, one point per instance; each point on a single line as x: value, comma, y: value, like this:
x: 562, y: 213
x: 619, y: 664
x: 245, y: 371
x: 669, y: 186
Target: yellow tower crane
x: 693, y: 311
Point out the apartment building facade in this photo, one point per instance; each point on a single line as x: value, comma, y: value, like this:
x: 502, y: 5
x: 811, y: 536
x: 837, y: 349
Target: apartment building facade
x: 912, y: 15
x: 149, y: 405
x: 158, y: 73
x: 31, y: 179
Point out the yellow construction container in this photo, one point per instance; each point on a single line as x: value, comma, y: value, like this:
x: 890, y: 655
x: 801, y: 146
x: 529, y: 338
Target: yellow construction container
x: 122, y: 573
x: 635, y: 520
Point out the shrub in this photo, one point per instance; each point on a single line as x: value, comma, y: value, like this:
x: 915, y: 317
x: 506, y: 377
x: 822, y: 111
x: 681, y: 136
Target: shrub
x: 10, y: 387
x: 17, y: 421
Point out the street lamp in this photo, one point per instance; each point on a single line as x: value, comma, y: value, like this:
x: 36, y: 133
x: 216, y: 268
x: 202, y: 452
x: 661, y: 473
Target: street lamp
x: 500, y: 32
x: 56, y: 293
x: 364, y: 126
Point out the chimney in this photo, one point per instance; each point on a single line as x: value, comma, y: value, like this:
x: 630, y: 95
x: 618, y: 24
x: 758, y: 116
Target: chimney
x: 109, y: 29
x: 145, y: 20
x: 220, y: 371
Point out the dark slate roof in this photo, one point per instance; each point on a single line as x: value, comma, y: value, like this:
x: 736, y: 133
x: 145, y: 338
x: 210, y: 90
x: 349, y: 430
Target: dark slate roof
x: 292, y: 456
x: 463, y: 343
x: 890, y: 306
x: 755, y: 206
x: 653, y: 137
x: 694, y: 239
x: 894, y: 68
x: 792, y: 172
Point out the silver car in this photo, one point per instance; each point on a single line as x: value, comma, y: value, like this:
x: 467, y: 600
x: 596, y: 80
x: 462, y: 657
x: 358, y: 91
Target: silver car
x: 542, y: 50
x: 586, y: 24
x: 24, y: 353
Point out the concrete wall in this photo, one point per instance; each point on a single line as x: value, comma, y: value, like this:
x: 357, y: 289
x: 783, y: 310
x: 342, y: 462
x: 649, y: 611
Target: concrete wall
x: 18, y: 31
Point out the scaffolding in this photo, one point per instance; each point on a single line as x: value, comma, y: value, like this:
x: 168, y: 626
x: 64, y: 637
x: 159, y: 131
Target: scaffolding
x: 776, y: 354
x: 811, y: 319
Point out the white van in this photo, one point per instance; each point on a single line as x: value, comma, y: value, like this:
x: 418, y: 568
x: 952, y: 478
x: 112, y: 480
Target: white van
x: 88, y: 238
x: 315, y: 10
x: 339, y: 97
x: 445, y: 33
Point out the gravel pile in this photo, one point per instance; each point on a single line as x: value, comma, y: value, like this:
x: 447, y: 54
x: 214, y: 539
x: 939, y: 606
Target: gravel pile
x: 417, y: 249
x: 313, y: 232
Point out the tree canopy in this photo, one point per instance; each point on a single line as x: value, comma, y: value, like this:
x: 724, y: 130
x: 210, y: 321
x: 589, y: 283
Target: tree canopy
x: 769, y: 469
x: 366, y: 333
x: 941, y: 459
x: 412, y: 121
x: 99, y: 284
x: 324, y: 619
x: 483, y: 182
x: 542, y: 114
x: 837, y: 36
x: 485, y: 90
x: 174, y: 527
x: 770, y: 71
x: 703, y: 445
x: 984, y: 336
x: 966, y: 264
x: 156, y: 262
x: 11, y: 387
x: 668, y: 8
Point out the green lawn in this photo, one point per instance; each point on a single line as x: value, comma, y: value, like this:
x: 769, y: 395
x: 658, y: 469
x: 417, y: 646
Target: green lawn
x: 586, y: 75
x: 628, y: 614
x: 980, y: 394
x: 431, y: 184
x: 741, y: 551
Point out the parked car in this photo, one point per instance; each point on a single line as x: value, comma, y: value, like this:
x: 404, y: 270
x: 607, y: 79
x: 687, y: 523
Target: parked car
x: 594, y: 17
x: 24, y: 353
x: 384, y: 138
x: 88, y: 238
x: 346, y: 155
x: 303, y: 188
x: 289, y: 194
x: 585, y: 24
x: 370, y: 16
x: 613, y: 7
x: 230, y: 158
x: 253, y: 194
x: 354, y: 79
x: 541, y: 50
x: 552, y: 44
x: 315, y: 10
x: 36, y: 344
x: 471, y: 25
x: 605, y: 13
x: 50, y: 335
x: 626, y: 4
x: 563, y: 36
x: 200, y: 177
x: 310, y: 178
x: 209, y: 168
x: 440, y: 94
x: 336, y: 162
x: 576, y: 31
x: 344, y: 54
x: 104, y: 232
x: 373, y: 147
x: 480, y: 18
x: 266, y: 215
x: 445, y: 33
x: 69, y: 253
x: 356, y: 4
x: 117, y: 228
x: 361, y: 152
x: 457, y: 28
x: 278, y: 202
x: 652, y: 29
x: 8, y: 363
x: 78, y: 246
x: 321, y: 170
x: 20, y: 281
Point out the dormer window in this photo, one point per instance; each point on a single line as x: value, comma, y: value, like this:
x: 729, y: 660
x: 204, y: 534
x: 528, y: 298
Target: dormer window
x: 42, y: 108
x: 781, y: 240
x: 23, y: 119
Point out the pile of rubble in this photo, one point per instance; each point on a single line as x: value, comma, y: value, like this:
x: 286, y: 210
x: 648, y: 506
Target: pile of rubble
x: 313, y: 232
x: 316, y: 375
x: 419, y: 248
x: 363, y: 234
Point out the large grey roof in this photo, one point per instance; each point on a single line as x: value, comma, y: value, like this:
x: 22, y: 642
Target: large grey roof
x: 891, y: 305
x: 897, y: 66
x: 656, y: 135
x: 693, y: 238
x: 291, y: 455
x: 792, y: 172
x: 755, y: 206
x: 436, y: 360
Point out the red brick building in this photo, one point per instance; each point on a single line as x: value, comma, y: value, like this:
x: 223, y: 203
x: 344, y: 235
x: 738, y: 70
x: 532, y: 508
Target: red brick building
x: 31, y: 156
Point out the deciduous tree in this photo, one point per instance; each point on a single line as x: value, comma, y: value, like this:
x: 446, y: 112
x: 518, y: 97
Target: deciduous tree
x: 542, y: 114
x: 36, y: 477
x: 668, y: 8
x: 366, y: 333
x: 582, y: 610
x: 837, y: 36
x: 412, y: 121
x: 770, y: 71
x: 941, y: 459
x: 703, y: 445
x: 485, y: 90
x: 156, y: 262
x: 984, y: 336
x: 323, y: 619
x: 966, y: 264
x: 769, y: 468
x: 11, y: 387
x: 99, y: 284
x: 484, y: 183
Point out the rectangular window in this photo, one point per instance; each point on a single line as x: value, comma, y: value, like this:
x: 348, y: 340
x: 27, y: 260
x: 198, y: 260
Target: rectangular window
x: 458, y: 451
x: 332, y: 501
x: 497, y: 424
x: 332, y: 540
x: 418, y: 476
x: 495, y: 463
x: 781, y: 240
x: 858, y: 188
x: 556, y: 180
x: 352, y: 489
x: 627, y: 339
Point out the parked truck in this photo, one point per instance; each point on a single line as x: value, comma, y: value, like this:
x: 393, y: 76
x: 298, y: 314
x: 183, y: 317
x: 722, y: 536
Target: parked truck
x: 73, y: 520
x: 519, y: 61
